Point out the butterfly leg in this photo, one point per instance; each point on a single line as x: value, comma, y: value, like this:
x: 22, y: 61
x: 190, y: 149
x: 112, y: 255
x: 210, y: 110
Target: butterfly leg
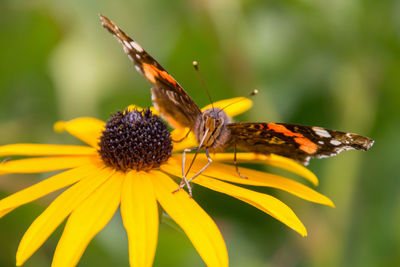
x: 204, y: 168
x: 236, y: 165
x: 184, y: 180
x: 187, y: 182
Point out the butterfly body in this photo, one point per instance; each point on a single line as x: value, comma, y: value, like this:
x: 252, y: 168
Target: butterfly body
x: 212, y: 125
x: 214, y: 130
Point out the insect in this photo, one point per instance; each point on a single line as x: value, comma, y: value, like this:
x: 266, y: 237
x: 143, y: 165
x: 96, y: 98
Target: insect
x: 214, y: 130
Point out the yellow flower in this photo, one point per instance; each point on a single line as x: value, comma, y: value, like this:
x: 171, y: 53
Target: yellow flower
x: 96, y: 190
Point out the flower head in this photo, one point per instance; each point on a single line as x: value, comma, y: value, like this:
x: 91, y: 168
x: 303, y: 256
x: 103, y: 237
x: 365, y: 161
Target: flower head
x: 135, y: 140
x: 129, y: 164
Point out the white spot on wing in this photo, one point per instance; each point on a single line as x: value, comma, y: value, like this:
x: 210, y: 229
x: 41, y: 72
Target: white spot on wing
x: 136, y: 46
x: 138, y: 69
x: 126, y: 49
x: 335, y: 142
x: 326, y: 156
x: 127, y: 44
x: 321, y: 142
x: 306, y: 161
x: 321, y: 132
x: 350, y: 136
x: 343, y: 149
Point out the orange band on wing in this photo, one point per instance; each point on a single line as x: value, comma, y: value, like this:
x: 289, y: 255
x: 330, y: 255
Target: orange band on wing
x: 305, y: 144
x: 282, y: 129
x: 166, y: 76
x: 151, y: 72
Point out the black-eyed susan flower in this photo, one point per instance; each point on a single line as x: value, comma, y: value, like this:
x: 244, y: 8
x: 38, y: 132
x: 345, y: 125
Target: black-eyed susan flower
x: 129, y: 163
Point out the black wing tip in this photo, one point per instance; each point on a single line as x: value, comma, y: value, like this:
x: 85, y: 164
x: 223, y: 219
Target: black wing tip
x: 356, y: 141
x: 360, y: 142
x: 106, y: 23
x: 368, y: 143
x: 103, y: 19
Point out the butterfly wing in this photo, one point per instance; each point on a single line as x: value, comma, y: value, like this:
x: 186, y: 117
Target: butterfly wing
x: 295, y: 141
x: 169, y: 98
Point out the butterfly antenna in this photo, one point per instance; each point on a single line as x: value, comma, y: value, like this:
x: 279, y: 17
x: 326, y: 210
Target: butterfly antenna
x: 253, y: 93
x: 196, y: 67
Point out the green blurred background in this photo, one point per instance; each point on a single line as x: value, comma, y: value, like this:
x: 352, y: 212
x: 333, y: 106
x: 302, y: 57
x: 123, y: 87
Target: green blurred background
x: 334, y: 64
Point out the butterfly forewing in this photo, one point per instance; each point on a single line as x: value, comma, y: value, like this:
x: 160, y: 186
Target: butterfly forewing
x: 294, y: 141
x: 171, y: 100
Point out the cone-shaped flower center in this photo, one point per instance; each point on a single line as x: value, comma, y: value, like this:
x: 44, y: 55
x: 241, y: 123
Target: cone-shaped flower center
x: 135, y: 140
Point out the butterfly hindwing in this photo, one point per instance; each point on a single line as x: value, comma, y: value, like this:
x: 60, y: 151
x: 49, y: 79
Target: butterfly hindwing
x: 295, y: 141
x: 171, y: 100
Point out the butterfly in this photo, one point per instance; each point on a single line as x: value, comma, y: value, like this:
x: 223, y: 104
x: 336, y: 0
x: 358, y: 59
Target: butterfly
x: 214, y: 130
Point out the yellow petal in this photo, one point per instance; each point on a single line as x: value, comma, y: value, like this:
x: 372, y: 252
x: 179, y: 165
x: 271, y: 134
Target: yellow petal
x: 57, y: 211
x: 271, y: 159
x: 45, y: 150
x: 45, y: 164
x: 133, y: 107
x: 86, y: 129
x: 255, y: 178
x: 139, y: 212
x: 87, y: 220
x: 188, y: 142
x: 195, y: 222
x: 237, y: 106
x: 45, y: 187
x: 266, y: 203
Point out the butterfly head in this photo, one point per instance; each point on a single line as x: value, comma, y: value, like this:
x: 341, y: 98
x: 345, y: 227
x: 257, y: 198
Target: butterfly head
x: 211, y: 128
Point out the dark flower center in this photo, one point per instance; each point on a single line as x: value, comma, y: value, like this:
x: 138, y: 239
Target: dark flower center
x: 136, y: 140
